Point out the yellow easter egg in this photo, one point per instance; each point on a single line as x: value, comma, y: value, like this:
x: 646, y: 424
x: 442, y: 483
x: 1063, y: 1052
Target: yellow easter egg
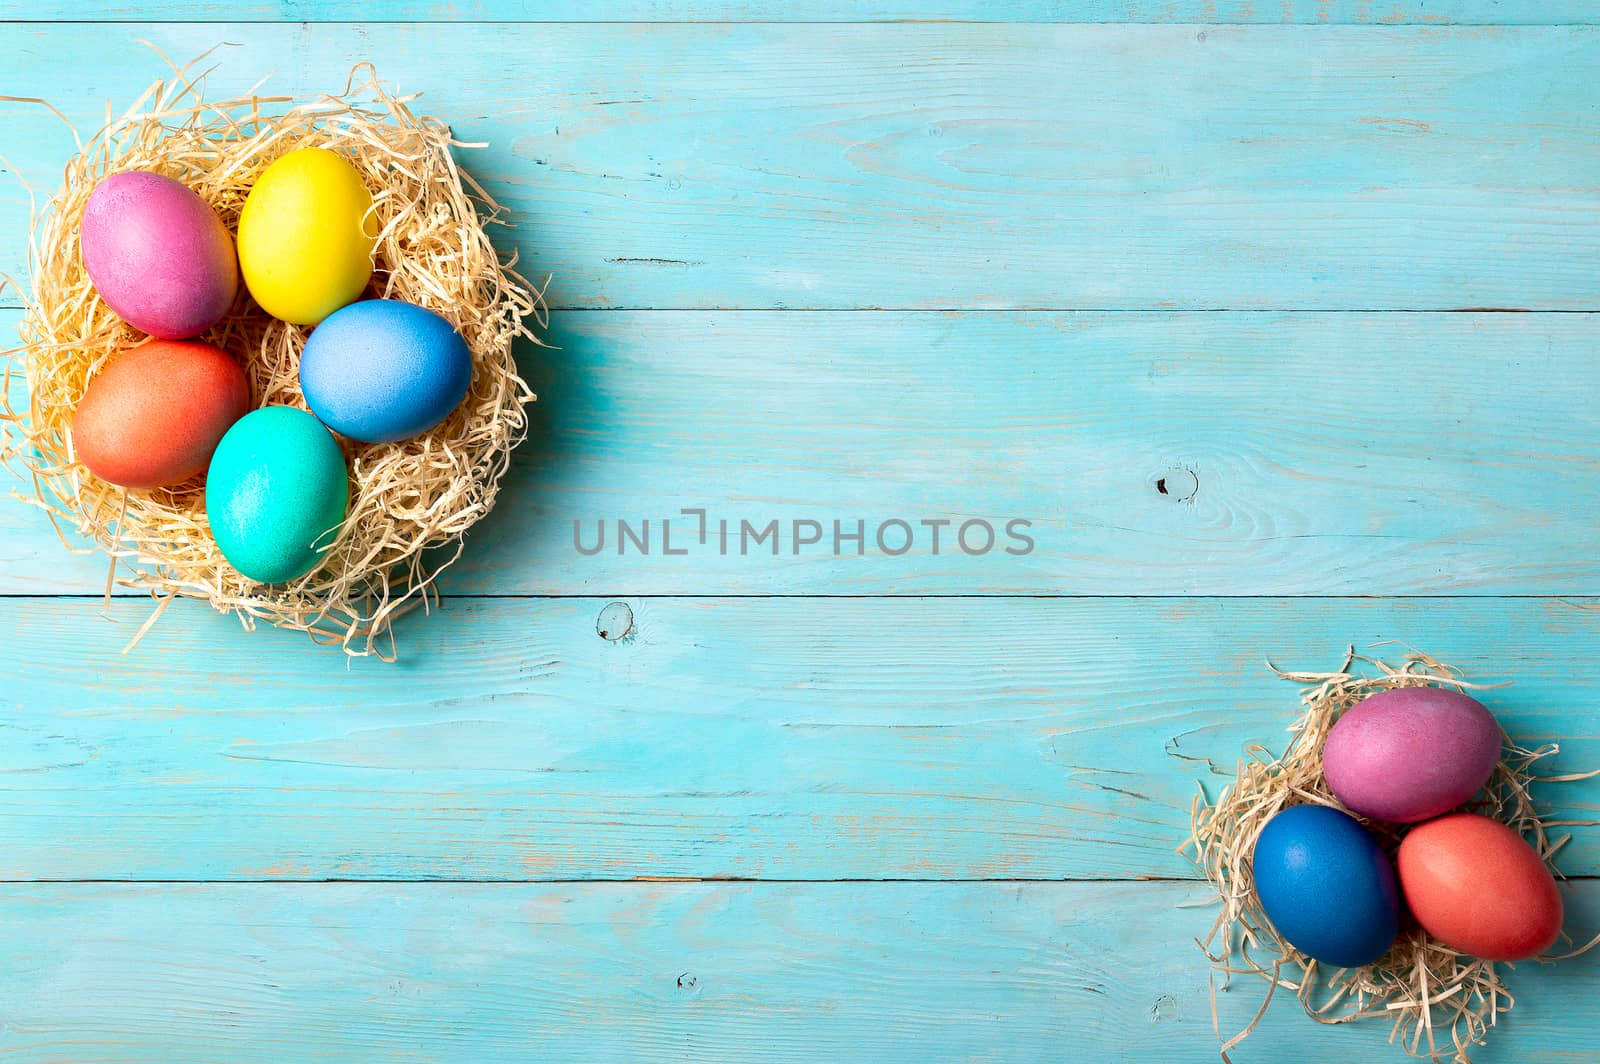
x: 305, y: 236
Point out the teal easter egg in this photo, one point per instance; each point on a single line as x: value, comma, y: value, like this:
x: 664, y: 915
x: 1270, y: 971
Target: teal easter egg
x: 276, y: 493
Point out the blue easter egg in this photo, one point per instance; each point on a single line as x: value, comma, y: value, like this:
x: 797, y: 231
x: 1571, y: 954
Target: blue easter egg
x: 383, y: 370
x: 1326, y: 886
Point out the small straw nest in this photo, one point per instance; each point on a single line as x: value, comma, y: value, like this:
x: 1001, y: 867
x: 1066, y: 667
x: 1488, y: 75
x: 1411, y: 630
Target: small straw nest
x: 411, y: 502
x: 1439, y: 1002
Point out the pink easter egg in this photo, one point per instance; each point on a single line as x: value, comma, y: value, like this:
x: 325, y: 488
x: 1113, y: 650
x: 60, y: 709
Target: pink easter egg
x: 1409, y: 754
x: 158, y: 254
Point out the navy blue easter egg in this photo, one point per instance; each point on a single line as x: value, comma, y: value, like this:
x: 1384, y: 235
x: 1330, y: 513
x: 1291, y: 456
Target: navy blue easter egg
x: 383, y: 370
x: 1326, y: 886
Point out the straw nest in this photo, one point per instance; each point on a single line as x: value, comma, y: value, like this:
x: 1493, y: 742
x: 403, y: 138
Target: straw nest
x: 410, y: 502
x: 1440, y: 1002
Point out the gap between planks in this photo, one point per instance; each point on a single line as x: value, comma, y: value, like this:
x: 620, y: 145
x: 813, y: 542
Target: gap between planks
x: 643, y: 881
x: 716, y: 596
x: 648, y: 22
x: 11, y: 306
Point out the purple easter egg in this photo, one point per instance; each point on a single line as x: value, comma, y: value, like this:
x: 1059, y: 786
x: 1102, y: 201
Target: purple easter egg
x: 1410, y: 754
x: 158, y: 254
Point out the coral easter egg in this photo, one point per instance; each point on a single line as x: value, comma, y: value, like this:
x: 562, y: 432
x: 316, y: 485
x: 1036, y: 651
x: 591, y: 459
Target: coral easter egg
x: 152, y: 417
x: 158, y: 254
x: 276, y: 493
x: 1478, y: 887
x: 1326, y: 886
x: 306, y: 237
x: 1412, y: 753
x: 384, y: 370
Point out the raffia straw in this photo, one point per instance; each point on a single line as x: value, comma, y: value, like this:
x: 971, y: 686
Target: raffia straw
x: 1440, y: 1003
x: 412, y: 502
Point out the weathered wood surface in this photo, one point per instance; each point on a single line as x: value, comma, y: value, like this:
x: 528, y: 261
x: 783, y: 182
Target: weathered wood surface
x: 1313, y: 12
x: 980, y: 181
x: 769, y: 972
x: 1325, y: 454
x: 953, y: 166
x: 962, y: 738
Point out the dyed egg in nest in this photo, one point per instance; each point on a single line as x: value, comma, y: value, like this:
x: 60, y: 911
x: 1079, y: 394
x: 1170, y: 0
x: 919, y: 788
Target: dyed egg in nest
x: 158, y: 254
x: 1326, y: 886
x: 1478, y: 887
x: 306, y: 236
x: 153, y: 416
x: 1411, y: 753
x: 383, y: 370
x: 276, y: 494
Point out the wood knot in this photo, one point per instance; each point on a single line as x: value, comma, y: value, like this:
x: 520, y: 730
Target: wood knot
x: 615, y: 622
x: 1178, y: 484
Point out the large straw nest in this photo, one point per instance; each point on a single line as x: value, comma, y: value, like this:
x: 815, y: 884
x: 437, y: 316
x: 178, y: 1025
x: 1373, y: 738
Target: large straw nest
x: 1440, y: 1002
x: 410, y: 502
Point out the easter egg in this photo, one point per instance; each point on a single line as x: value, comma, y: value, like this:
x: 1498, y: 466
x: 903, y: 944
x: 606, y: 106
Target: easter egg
x: 1478, y: 887
x: 305, y: 238
x: 158, y: 254
x: 276, y: 493
x: 153, y: 415
x: 1326, y: 886
x: 1412, y: 753
x: 383, y: 370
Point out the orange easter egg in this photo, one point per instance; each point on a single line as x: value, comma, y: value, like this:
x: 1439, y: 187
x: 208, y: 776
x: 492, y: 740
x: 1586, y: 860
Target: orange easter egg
x: 1478, y: 887
x: 154, y: 414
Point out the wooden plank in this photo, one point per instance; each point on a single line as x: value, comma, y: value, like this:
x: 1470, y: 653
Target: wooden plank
x: 1325, y: 454
x: 1317, y: 12
x: 744, y: 738
x: 673, y: 972
x: 951, y: 166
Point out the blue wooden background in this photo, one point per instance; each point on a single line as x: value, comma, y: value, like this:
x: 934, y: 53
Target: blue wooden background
x: 1326, y: 271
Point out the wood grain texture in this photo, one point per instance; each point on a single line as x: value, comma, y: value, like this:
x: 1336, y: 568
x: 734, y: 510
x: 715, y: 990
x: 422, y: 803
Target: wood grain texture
x: 764, y: 738
x: 935, y: 168
x: 951, y: 166
x: 1325, y: 454
x: 341, y: 972
x: 1315, y: 12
